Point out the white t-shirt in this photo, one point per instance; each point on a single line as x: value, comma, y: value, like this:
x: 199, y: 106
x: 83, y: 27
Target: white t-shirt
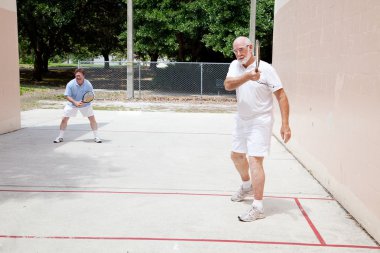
x: 254, y: 97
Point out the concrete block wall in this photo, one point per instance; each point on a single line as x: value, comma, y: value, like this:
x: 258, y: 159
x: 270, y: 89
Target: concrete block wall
x: 327, y: 54
x: 9, y: 68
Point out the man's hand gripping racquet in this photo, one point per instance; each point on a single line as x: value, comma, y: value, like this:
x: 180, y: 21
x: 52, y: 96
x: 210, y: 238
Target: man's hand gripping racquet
x: 257, y: 63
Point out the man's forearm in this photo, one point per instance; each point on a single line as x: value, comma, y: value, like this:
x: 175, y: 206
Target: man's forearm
x: 232, y: 83
x: 284, y: 109
x: 70, y: 99
x: 284, y: 106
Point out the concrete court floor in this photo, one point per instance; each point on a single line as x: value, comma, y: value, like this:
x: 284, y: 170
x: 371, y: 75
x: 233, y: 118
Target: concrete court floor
x: 159, y: 182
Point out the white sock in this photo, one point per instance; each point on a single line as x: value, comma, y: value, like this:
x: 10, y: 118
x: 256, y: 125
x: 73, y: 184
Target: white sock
x: 246, y: 184
x: 95, y: 133
x: 258, y: 204
x: 61, y: 133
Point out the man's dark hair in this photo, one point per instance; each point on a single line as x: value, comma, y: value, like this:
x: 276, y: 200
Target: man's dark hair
x: 79, y: 70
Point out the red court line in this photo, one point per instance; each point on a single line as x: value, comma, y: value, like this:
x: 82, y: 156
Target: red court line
x: 321, y: 240
x: 186, y: 240
x: 145, y: 193
x: 317, y: 234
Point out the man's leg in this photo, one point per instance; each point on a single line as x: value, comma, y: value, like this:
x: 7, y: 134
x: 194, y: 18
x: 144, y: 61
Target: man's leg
x: 62, y: 128
x: 93, y: 123
x: 258, y: 176
x: 256, y: 211
x: 63, y: 125
x: 94, y: 127
x: 241, y: 164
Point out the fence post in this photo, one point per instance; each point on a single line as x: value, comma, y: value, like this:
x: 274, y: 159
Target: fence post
x: 130, y: 87
x: 140, y: 79
x: 130, y: 93
x: 201, y: 79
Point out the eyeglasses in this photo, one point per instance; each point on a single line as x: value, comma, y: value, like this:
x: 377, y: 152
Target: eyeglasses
x: 240, y: 49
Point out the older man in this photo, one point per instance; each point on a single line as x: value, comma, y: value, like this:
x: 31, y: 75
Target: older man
x: 254, y: 122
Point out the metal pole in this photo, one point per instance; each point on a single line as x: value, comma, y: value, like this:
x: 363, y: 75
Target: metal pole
x: 130, y: 91
x: 252, y: 22
x: 140, y: 79
x: 201, y: 79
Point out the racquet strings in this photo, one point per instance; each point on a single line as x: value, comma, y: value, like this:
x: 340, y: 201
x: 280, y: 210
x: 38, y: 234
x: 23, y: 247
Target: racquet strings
x: 88, y: 97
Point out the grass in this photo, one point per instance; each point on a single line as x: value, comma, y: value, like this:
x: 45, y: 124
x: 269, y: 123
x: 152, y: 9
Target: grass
x: 50, y: 88
x: 54, y: 78
x: 28, y: 89
x: 51, y: 65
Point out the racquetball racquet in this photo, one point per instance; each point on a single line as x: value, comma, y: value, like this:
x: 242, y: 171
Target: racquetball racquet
x: 257, y: 62
x: 257, y: 54
x: 88, y: 97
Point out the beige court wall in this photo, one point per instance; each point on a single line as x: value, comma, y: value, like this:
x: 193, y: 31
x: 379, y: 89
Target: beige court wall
x: 327, y: 54
x: 9, y: 68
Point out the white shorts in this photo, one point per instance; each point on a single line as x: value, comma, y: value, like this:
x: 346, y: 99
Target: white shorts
x: 86, y: 111
x: 253, y: 136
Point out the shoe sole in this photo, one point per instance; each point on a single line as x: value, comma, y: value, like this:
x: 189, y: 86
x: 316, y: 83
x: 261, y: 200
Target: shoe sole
x: 239, y: 200
x: 262, y: 216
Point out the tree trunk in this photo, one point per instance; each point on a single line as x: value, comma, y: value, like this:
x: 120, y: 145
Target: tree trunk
x: 106, y: 60
x: 181, y: 49
x: 153, y: 58
x: 195, y: 51
x: 38, y: 65
x: 45, y: 63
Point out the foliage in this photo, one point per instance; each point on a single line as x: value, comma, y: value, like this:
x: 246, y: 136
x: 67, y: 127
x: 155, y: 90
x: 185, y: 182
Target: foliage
x: 46, y: 25
x: 26, y: 55
x: 264, y: 27
x: 226, y: 22
x: 231, y: 19
x: 198, y: 30
x: 99, y: 24
x: 186, y: 30
x: 172, y: 29
x: 155, y: 29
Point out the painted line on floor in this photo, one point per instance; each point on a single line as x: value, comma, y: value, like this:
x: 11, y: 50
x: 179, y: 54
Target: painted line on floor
x: 187, y: 240
x: 312, y: 226
x: 147, y: 193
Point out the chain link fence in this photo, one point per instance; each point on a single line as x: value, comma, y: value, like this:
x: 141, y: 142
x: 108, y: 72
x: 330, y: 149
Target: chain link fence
x: 159, y: 78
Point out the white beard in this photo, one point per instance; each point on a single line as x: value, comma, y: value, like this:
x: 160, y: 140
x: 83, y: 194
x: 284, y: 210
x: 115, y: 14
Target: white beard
x: 246, y: 58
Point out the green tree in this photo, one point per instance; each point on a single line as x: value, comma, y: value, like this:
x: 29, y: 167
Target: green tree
x: 198, y: 30
x: 231, y: 19
x: 45, y: 26
x: 173, y: 29
x: 264, y: 27
x: 185, y: 30
x: 99, y: 24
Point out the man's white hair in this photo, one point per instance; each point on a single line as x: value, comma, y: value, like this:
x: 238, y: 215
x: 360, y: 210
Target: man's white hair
x: 246, y: 40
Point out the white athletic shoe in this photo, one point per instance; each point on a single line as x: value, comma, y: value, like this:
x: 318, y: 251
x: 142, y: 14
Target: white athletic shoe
x: 242, y: 194
x: 58, y: 140
x: 97, y: 140
x: 252, y: 214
